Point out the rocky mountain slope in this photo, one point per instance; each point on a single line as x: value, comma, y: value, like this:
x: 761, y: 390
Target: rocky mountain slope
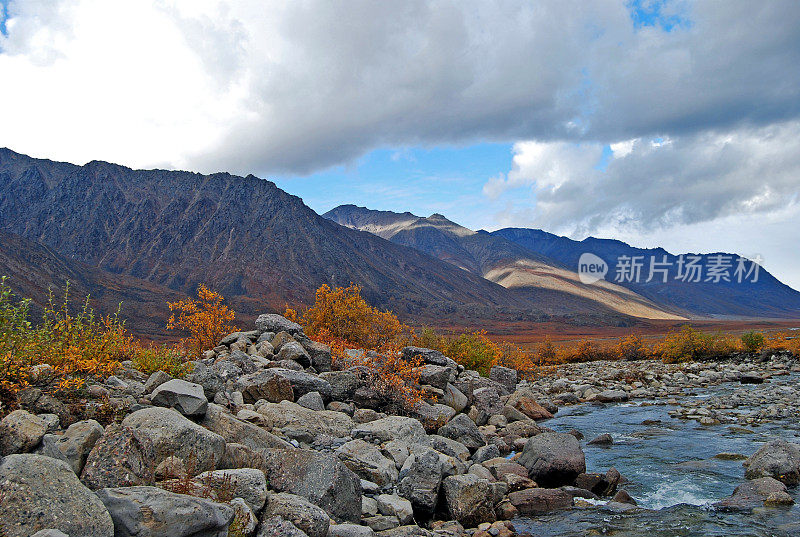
x: 258, y: 245
x: 495, y: 258
x: 766, y: 297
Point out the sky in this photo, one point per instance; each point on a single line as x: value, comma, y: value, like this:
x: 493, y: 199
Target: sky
x: 668, y: 123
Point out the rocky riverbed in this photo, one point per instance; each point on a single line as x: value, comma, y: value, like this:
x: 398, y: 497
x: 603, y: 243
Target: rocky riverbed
x: 263, y: 439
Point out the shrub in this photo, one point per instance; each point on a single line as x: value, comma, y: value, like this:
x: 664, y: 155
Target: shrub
x: 753, y: 341
x: 206, y: 318
x: 342, y: 314
x: 546, y: 353
x: 630, y: 348
x: 689, y: 344
x: 473, y: 350
x: 166, y: 358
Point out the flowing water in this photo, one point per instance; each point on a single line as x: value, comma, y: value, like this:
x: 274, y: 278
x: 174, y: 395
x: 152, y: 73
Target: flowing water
x: 672, y: 471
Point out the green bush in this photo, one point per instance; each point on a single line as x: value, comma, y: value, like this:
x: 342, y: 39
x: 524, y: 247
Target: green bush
x: 753, y: 341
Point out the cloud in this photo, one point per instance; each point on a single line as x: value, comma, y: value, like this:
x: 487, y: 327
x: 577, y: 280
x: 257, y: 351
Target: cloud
x: 294, y: 87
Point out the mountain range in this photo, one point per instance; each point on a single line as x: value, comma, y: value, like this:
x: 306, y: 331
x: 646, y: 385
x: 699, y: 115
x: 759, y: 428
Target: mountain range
x: 145, y: 237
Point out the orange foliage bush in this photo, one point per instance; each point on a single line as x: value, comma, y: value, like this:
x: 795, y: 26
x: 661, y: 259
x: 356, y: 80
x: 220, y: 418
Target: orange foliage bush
x: 689, y: 344
x: 631, y: 348
x: 342, y: 314
x: 206, y: 318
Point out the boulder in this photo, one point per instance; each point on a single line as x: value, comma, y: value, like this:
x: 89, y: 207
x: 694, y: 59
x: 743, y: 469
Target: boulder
x: 488, y: 403
x: 303, y: 514
x: 764, y: 491
x: 779, y: 459
x: 121, y: 457
x: 272, y: 322
x: 611, y: 396
x: 312, y: 401
x: 234, y: 430
x: 187, y: 398
x: 39, y: 492
x: 394, y: 505
x: 155, y: 380
x: 391, y: 428
x: 20, y: 432
x: 303, y: 382
x: 529, y: 407
x: 435, y: 375
x: 294, y: 351
x: 319, y: 477
x: 350, y: 530
x: 448, y: 446
x: 304, y: 424
x: 343, y: 384
x: 248, y: 484
x: 470, y: 500
x: 604, y: 439
x: 536, y: 501
x: 171, y: 434
x: 600, y: 484
x: 265, y: 384
x: 553, y: 459
x: 420, y: 479
x: 506, y: 376
x: 77, y: 442
x: 454, y: 398
x: 155, y: 512
x: 367, y: 461
x: 207, y: 378
x: 428, y: 356
x: 462, y: 429
x: 278, y: 527
x: 49, y: 532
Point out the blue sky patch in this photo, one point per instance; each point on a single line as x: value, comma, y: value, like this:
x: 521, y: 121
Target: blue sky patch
x: 668, y: 15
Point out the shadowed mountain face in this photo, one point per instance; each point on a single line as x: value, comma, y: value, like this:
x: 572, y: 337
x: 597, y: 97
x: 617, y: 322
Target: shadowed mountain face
x: 494, y: 258
x: 766, y: 297
x: 261, y: 247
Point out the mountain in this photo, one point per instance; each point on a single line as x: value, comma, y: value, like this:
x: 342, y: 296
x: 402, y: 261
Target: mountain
x: 495, y: 258
x: 259, y: 246
x: 765, y: 297
x: 35, y: 271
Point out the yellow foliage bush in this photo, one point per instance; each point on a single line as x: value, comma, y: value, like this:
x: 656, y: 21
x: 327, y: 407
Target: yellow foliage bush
x: 631, y: 348
x: 689, y: 344
x: 167, y: 358
x: 206, y: 318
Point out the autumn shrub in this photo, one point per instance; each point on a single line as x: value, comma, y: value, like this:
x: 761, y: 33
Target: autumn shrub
x: 689, y: 344
x: 77, y: 345
x: 546, y: 352
x: 167, y: 358
x: 630, y: 348
x: 473, y: 350
x: 782, y: 341
x: 753, y: 341
x: 341, y: 313
x: 206, y: 319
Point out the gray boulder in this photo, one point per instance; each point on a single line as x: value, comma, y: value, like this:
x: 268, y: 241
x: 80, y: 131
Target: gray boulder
x: 764, y: 491
x: 155, y: 512
x: 470, y: 500
x: 278, y: 527
x: 464, y: 430
x: 248, y: 484
x: 171, y: 434
x: 50, y: 532
x: 155, y: 380
x: 506, y: 376
x: 272, y: 322
x: 39, y: 492
x: 367, y: 461
x: 304, y: 424
x: 312, y: 401
x: 343, y: 384
x: 420, y: 479
x: 391, y: 428
x: 303, y: 383
x: 350, y: 530
x: 435, y: 375
x: 218, y: 420
x: 206, y: 377
x: 454, y: 398
x: 779, y: 459
x: 320, y: 355
x: 20, y: 432
x: 611, y: 396
x: 120, y: 458
x: 77, y: 442
x: 294, y: 351
x: 187, y: 398
x: 266, y: 384
x: 303, y: 514
x: 553, y: 459
x: 320, y: 478
x: 394, y: 505
x: 428, y: 356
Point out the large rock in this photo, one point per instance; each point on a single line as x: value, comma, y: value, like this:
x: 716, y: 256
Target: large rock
x: 394, y: 505
x: 303, y: 383
x: 779, y: 459
x: 488, y: 403
x: 38, y: 492
x: 536, y: 501
x: 350, y: 530
x: 367, y: 461
x: 77, y: 442
x: 611, y: 396
x: 265, y: 384
x: 454, y: 398
x: 470, y: 500
x: 506, y: 376
x: 272, y: 322
x: 279, y: 527
x: 320, y: 478
x: 764, y: 491
x: 248, y: 484
x: 303, y: 514
x: 524, y: 400
x: 155, y: 512
x: 320, y: 355
x: 420, y: 479
x: 435, y: 375
x: 187, y: 398
x: 294, y: 351
x: 462, y: 429
x: 206, y: 377
x: 120, y: 458
x: 234, y: 430
x: 20, y: 432
x: 343, y: 384
x: 553, y: 459
x: 391, y: 428
x: 171, y: 434
x: 428, y: 356
x: 305, y: 424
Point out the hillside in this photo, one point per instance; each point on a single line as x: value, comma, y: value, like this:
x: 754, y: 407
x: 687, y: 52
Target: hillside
x: 494, y: 258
